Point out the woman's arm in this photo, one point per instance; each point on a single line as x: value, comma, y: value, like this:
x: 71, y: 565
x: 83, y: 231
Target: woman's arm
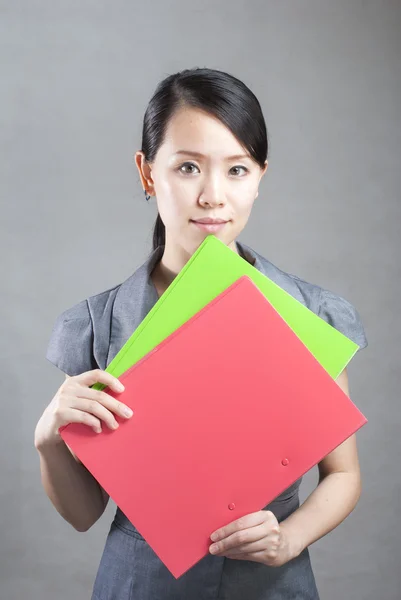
x: 72, y: 489
x: 334, y: 498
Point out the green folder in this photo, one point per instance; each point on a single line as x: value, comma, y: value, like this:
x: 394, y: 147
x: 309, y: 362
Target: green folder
x: 211, y: 270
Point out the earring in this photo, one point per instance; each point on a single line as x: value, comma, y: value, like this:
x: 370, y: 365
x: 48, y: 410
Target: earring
x: 147, y: 196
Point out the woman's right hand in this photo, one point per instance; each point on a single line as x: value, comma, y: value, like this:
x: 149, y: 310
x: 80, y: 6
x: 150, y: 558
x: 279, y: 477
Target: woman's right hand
x: 76, y: 402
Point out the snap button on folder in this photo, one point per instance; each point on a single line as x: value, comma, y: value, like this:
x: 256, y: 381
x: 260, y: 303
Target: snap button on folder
x: 285, y: 462
x: 231, y: 506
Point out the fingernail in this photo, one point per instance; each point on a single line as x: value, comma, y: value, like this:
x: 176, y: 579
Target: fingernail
x: 214, y: 548
x: 214, y: 537
x: 120, y: 386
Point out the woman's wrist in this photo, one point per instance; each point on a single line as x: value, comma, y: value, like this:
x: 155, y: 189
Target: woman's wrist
x: 45, y: 440
x: 292, y: 545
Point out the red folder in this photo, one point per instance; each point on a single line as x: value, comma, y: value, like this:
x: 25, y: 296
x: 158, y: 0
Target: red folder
x: 229, y: 411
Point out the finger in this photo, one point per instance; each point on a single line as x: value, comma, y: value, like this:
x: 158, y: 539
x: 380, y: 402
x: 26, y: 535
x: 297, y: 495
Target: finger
x: 258, y: 546
x: 89, y: 378
x: 108, y: 401
x: 245, y: 537
x: 251, y: 520
x: 94, y: 408
x: 72, y: 415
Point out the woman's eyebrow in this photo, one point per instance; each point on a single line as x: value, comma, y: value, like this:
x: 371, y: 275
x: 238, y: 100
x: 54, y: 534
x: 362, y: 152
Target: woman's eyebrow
x: 199, y: 155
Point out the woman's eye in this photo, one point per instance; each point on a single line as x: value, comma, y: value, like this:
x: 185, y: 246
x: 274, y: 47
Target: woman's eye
x: 188, y: 164
x: 240, y: 167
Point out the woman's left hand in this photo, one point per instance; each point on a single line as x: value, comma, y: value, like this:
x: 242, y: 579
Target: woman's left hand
x: 257, y: 537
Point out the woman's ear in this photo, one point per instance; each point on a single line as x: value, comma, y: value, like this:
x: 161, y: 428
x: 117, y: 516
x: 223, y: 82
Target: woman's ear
x: 264, y: 169
x: 144, y: 170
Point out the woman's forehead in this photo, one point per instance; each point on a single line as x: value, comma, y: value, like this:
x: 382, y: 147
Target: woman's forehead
x: 197, y: 132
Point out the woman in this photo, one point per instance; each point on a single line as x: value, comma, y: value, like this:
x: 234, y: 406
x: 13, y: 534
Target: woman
x: 204, y: 152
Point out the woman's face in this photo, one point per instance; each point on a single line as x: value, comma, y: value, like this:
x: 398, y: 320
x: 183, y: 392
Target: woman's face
x: 204, y: 181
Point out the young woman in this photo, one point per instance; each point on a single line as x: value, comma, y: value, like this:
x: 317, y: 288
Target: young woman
x: 204, y: 152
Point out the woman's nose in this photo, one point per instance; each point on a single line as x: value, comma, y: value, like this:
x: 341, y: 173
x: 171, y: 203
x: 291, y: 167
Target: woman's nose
x: 211, y: 199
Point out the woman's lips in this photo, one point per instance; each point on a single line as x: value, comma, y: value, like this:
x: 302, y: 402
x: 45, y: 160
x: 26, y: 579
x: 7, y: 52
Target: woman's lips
x: 210, y: 226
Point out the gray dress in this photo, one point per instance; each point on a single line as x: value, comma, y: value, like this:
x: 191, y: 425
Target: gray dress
x: 88, y: 336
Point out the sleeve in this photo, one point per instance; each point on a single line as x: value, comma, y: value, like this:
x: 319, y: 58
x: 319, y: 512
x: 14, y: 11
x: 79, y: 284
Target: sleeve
x: 342, y: 315
x: 70, y: 347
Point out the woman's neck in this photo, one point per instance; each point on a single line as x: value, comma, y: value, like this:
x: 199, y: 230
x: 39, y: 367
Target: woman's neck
x: 172, y: 261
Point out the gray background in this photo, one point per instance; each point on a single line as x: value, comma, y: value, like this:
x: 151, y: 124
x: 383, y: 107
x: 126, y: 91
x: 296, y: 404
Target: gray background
x: 75, y: 81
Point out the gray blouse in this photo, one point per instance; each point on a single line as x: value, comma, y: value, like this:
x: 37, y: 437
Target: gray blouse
x: 88, y: 336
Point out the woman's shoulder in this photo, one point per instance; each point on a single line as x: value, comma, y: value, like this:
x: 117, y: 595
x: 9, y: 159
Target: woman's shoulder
x: 333, y: 308
x: 72, y: 346
x: 99, y: 305
x: 85, y: 309
x: 81, y: 335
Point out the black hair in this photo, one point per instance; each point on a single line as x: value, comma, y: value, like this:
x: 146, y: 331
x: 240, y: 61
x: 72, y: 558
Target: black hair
x: 216, y: 92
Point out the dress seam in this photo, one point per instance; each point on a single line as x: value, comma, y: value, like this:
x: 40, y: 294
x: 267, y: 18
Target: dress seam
x: 221, y: 579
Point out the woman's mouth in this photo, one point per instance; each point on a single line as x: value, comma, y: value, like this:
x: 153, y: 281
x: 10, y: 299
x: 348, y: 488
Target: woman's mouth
x: 209, y: 225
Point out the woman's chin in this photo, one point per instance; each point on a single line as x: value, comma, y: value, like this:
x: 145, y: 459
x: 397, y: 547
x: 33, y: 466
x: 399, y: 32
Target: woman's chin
x: 202, y: 233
